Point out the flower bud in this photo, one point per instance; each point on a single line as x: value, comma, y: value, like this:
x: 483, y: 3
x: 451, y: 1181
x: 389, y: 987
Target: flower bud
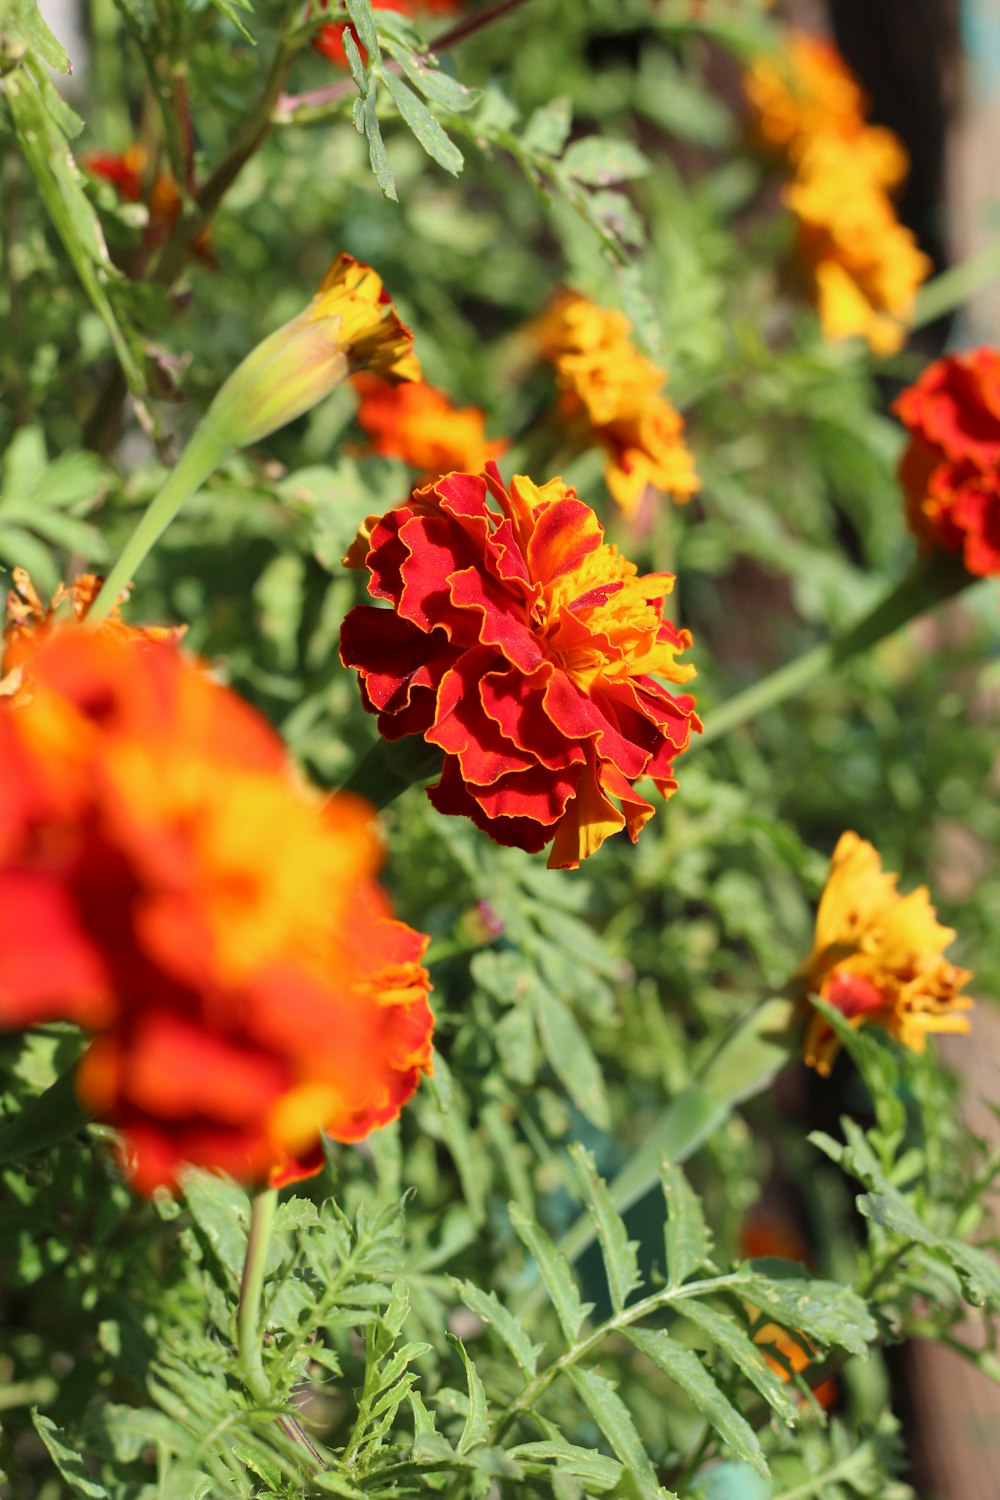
x: 349, y: 325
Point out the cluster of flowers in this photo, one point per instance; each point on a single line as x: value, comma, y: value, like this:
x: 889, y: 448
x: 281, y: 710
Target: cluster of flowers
x: 865, y: 267
x: 167, y: 884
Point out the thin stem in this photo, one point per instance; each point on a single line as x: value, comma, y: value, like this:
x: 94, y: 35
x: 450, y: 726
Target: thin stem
x: 248, y: 1329
x: 200, y: 458
x: 934, y: 578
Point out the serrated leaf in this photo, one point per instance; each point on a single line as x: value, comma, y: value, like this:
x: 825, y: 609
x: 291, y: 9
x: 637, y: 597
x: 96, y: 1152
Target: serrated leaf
x: 826, y: 1312
x: 438, y: 145
x: 617, y: 1250
x: 611, y: 1415
x: 553, y: 1268
x: 570, y: 1055
x: 354, y: 62
x: 596, y: 1470
x: 221, y: 1210
x: 69, y: 1463
x: 477, y: 1420
x: 736, y: 1344
x: 440, y: 88
x: 685, y: 1368
x: 601, y: 160
x: 295, y: 1213
x: 487, y: 1305
x: 363, y: 21
x: 688, y: 1242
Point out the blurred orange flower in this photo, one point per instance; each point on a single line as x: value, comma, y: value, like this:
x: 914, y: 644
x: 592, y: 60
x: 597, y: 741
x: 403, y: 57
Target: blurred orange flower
x: 950, y: 471
x: 166, y: 883
x: 418, y: 424
x: 611, y: 395
x: 878, y: 957
x: 528, y: 649
x: 865, y: 266
x: 28, y: 622
x: 130, y: 174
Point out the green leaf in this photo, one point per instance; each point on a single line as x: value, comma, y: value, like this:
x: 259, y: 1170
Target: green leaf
x: 601, y: 160
x: 570, y: 1056
x: 24, y: 18
x: 69, y: 1463
x: 826, y: 1312
x: 377, y: 154
x: 228, y: 8
x: 611, y: 1415
x: 737, y: 1345
x: 688, y: 1242
x: 618, y: 1251
x: 221, y: 1210
x: 487, y: 1305
x: 428, y: 132
x: 295, y: 1213
x: 553, y: 1267
x: 685, y: 1368
x: 363, y: 21
x: 354, y: 62
x: 547, y: 131
x: 597, y: 1471
x: 477, y: 1420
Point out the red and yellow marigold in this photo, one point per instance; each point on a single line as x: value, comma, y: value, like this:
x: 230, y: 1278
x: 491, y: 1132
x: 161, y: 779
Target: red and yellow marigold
x: 417, y: 423
x: 528, y: 649
x: 878, y: 957
x: 950, y: 471
x: 611, y: 395
x: 166, y: 883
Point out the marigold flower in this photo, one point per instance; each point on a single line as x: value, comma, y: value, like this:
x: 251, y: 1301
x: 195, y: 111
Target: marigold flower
x: 950, y: 471
x: 329, y: 40
x: 878, y: 957
x: 527, y: 648
x: 803, y: 90
x: 610, y: 394
x: 349, y: 325
x: 418, y: 424
x: 865, y: 265
x: 165, y: 883
x: 29, y: 622
x: 129, y: 175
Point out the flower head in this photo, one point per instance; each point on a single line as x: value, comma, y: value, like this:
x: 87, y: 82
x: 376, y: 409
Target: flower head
x: 803, y: 90
x: 130, y: 175
x: 527, y: 648
x: 878, y: 957
x: 950, y: 471
x: 865, y: 265
x: 166, y: 883
x: 349, y: 325
x: 417, y: 423
x: 611, y: 395
x: 28, y: 623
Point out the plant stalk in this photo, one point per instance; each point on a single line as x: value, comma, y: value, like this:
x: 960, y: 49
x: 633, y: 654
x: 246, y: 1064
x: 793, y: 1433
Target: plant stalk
x: 248, y: 1329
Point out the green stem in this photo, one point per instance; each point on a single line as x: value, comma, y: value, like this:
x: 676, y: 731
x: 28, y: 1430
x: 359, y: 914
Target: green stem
x: 200, y: 458
x: 956, y: 285
x: 248, y: 1329
x: 934, y: 578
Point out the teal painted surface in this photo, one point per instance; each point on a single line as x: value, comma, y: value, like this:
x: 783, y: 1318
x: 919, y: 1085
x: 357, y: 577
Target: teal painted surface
x: 731, y: 1481
x: 981, y: 38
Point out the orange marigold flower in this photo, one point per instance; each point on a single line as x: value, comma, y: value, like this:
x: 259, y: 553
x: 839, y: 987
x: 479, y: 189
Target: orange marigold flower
x: 878, y: 957
x: 418, y: 423
x: 803, y: 90
x: 29, y: 622
x: 329, y: 40
x: 610, y: 394
x: 865, y: 266
x: 129, y: 173
x: 166, y: 883
x: 527, y: 649
x: 950, y: 471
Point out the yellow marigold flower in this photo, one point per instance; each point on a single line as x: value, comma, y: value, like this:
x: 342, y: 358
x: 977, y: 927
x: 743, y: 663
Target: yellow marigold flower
x: 800, y: 91
x: 612, y: 394
x: 879, y: 957
x: 349, y: 325
x: 866, y: 267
